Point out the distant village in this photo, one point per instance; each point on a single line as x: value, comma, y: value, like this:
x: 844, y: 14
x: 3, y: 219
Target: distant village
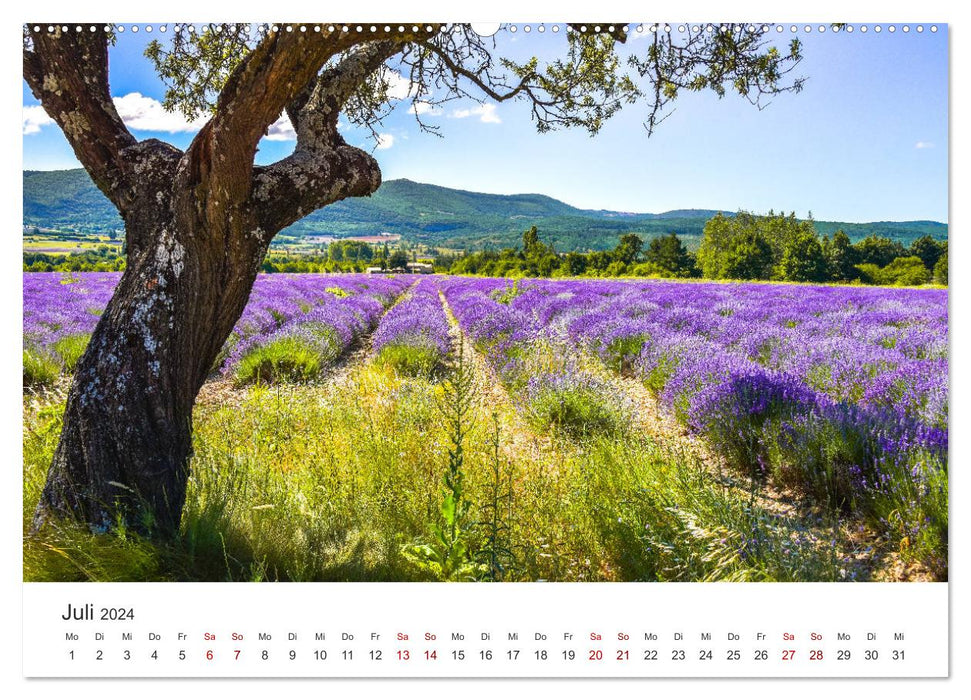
x: 417, y: 268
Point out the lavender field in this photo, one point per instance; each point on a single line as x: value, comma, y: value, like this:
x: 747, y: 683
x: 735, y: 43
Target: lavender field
x: 448, y: 428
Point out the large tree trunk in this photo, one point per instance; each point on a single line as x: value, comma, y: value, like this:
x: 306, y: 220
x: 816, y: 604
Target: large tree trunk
x: 127, y: 436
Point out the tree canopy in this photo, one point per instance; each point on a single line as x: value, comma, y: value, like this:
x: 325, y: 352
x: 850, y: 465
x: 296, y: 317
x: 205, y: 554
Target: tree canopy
x: 583, y: 87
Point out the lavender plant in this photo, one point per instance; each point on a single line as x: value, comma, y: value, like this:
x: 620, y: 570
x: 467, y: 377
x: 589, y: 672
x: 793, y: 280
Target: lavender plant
x: 413, y: 337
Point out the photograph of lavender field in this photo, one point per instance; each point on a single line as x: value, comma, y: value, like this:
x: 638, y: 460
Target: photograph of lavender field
x: 360, y: 354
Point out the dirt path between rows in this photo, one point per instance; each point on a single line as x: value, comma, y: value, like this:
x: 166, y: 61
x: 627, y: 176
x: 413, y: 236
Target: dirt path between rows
x: 519, y: 441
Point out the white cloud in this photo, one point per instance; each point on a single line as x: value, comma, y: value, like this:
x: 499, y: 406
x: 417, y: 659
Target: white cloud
x: 147, y: 114
x: 385, y: 141
x: 421, y: 107
x: 282, y: 130
x: 399, y: 87
x: 143, y: 113
x: 34, y: 118
x: 485, y: 112
x: 923, y: 144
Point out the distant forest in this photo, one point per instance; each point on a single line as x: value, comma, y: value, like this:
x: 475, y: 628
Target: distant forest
x: 741, y: 247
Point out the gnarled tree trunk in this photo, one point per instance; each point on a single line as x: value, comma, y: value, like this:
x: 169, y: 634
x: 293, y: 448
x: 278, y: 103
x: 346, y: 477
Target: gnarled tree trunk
x: 127, y: 436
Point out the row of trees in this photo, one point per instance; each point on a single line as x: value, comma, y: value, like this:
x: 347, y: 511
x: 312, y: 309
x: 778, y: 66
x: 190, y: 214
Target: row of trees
x: 340, y: 256
x: 665, y: 256
x: 104, y: 258
x: 745, y: 246
x: 780, y: 247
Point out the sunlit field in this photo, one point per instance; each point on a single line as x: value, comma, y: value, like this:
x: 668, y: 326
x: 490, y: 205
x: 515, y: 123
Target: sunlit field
x: 399, y: 427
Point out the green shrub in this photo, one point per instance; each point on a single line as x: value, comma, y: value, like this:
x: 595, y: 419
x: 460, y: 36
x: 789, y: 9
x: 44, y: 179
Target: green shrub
x: 940, y: 269
x: 575, y: 409
x: 410, y: 360
x: 906, y: 272
x: 286, y: 359
x: 622, y: 352
x: 869, y: 273
x: 40, y: 368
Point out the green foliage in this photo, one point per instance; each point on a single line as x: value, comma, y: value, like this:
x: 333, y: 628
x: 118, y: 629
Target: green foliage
x: 40, y: 368
x: 576, y: 411
x: 496, y: 552
x: 648, y: 269
x: 70, y: 348
x: 350, y: 251
x: 286, y: 359
x: 928, y: 250
x: 874, y: 250
x: 531, y: 242
x: 781, y: 247
x: 195, y: 65
x: 748, y: 246
x: 671, y: 256
x: 411, y: 359
x: 841, y: 257
x: 103, y: 258
x: 803, y: 260
x: 629, y: 249
x: 940, y: 269
x: 868, y: 273
x: 622, y: 351
x: 447, y: 556
x: 573, y: 264
x: 904, y: 272
x: 749, y: 257
x: 398, y: 259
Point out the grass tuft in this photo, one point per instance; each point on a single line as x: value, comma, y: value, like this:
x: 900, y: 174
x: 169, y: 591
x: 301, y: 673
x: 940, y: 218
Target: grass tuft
x: 70, y: 348
x: 40, y: 368
x: 286, y: 359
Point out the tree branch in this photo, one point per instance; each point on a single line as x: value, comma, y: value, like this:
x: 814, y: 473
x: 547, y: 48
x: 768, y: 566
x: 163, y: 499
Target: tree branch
x: 68, y: 73
x: 267, y: 81
x: 458, y: 70
x: 305, y: 181
x: 323, y: 168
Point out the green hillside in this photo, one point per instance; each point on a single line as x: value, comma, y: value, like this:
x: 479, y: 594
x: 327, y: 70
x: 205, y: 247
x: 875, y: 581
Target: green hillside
x: 67, y: 200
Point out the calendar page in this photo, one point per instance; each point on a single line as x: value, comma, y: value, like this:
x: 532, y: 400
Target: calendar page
x: 523, y: 349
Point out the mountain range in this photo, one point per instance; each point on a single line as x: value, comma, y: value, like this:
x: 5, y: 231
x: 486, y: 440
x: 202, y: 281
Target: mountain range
x: 67, y: 200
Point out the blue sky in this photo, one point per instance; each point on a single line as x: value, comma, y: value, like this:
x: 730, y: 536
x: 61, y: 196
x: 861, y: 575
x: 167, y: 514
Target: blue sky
x: 865, y: 140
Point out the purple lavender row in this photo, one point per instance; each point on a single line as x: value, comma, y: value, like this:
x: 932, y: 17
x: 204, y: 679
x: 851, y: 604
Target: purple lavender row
x: 278, y: 298
x: 323, y: 313
x: 533, y: 357
x: 418, y: 322
x: 841, y: 391
x: 496, y: 328
x: 57, y: 305
x: 880, y: 349
x: 61, y: 304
